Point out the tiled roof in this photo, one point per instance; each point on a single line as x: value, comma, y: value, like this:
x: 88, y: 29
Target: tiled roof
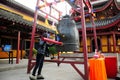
x: 102, y: 22
x: 18, y: 19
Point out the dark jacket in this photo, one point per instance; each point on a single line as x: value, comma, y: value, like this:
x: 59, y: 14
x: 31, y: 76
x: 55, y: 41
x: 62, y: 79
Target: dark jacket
x: 43, y: 47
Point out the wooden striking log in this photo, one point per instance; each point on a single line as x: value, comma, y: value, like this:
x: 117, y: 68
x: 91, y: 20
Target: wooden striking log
x: 51, y: 41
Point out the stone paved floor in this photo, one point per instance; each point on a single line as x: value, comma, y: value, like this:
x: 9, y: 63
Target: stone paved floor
x: 50, y: 71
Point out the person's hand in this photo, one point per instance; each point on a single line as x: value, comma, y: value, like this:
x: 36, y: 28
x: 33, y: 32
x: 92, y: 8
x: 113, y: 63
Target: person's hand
x: 62, y: 44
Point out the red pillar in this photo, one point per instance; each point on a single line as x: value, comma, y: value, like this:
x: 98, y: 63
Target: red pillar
x: 109, y: 44
x: 114, y: 42
x: 18, y: 49
x: 32, y: 37
x: 85, y: 51
x: 94, y: 31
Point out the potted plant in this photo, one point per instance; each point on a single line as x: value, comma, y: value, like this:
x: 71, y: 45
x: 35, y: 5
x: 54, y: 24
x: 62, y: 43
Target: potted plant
x: 53, y: 51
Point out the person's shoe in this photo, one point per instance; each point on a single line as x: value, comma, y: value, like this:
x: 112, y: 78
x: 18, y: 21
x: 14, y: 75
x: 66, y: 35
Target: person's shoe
x: 40, y: 77
x: 32, y: 77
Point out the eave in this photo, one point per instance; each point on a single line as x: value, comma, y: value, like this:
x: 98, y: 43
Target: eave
x: 116, y: 4
x: 19, y: 19
x: 102, y: 24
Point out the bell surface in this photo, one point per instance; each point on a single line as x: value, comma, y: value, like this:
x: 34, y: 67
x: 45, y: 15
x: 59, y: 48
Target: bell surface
x: 69, y: 34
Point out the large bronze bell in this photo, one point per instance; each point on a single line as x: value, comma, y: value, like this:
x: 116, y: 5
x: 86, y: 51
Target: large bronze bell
x: 68, y: 34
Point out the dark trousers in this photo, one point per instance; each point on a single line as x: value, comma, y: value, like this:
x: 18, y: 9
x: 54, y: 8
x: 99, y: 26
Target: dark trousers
x: 39, y: 64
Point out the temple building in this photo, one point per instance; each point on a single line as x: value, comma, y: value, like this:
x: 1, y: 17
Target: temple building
x: 16, y: 20
x: 91, y: 26
x: 107, y: 23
